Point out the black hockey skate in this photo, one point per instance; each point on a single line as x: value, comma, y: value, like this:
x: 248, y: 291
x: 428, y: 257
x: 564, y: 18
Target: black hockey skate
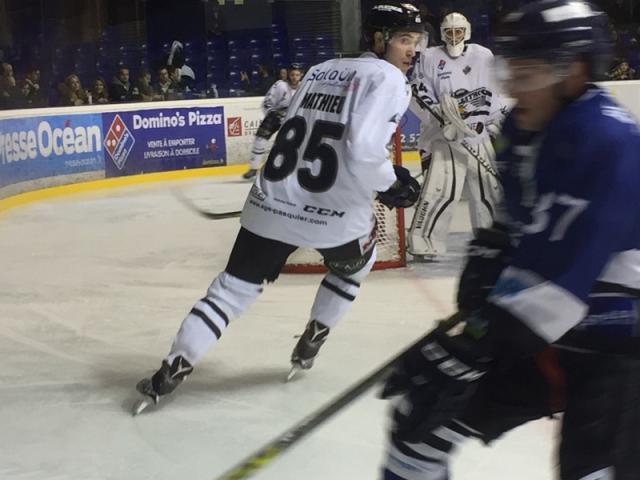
x: 162, y: 383
x: 249, y: 174
x: 308, y: 347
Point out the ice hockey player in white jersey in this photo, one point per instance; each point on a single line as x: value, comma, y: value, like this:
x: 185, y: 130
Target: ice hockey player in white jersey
x: 316, y: 189
x: 457, y: 81
x: 274, y: 107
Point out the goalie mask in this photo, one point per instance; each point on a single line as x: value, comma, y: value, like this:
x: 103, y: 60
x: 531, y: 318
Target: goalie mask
x: 455, y: 30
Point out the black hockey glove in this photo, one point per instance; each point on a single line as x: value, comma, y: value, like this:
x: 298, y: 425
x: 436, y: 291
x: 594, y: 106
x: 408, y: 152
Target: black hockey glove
x: 436, y: 380
x: 487, y: 255
x: 404, y: 192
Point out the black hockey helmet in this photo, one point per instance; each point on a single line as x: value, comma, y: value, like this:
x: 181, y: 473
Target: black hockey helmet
x: 558, y: 31
x: 294, y: 66
x: 390, y: 17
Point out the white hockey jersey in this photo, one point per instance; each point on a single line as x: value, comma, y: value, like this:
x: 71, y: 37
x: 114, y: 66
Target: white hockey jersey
x: 470, y: 78
x: 330, y: 156
x: 278, y: 97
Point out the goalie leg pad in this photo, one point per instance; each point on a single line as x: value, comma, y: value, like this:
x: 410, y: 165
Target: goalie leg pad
x: 440, y: 193
x: 482, y: 188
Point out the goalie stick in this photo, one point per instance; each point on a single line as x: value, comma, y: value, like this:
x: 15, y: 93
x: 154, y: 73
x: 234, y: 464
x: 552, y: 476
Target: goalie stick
x: 423, y: 105
x: 204, y: 213
x: 276, y: 447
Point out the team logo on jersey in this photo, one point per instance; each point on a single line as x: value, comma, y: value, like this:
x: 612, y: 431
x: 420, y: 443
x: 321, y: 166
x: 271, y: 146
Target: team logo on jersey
x: 474, y: 102
x: 234, y: 126
x: 466, y: 70
x: 442, y: 64
x: 119, y: 142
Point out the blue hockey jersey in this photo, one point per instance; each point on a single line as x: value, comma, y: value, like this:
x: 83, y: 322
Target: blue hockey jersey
x: 572, y: 205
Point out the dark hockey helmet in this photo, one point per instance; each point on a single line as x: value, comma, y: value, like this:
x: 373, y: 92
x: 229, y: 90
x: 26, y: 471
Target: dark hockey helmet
x: 391, y: 17
x: 558, y: 31
x: 294, y: 66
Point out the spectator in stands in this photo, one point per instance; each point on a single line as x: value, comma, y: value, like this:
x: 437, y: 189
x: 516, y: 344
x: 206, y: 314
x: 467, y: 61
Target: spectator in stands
x: 263, y: 82
x: 175, y: 90
x: 71, y: 92
x: 622, y: 71
x: 120, y: 89
x: 10, y: 96
x: 99, y: 94
x: 31, y: 88
x: 176, y: 78
x: 145, y: 90
x: 166, y: 88
x: 212, y: 91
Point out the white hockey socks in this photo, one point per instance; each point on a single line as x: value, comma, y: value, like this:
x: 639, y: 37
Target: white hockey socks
x: 226, y: 298
x: 336, y: 293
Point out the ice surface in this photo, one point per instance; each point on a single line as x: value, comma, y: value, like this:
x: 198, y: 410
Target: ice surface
x: 92, y: 290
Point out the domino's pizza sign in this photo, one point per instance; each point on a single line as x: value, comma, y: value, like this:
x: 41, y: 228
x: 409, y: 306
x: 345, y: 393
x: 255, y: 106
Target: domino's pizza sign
x: 119, y: 142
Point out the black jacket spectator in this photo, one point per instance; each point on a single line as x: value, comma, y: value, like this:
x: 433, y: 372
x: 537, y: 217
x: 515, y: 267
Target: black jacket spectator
x: 31, y: 91
x: 120, y: 89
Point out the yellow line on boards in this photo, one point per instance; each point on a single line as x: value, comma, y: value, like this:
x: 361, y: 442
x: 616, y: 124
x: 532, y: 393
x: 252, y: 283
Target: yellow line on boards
x: 83, y: 187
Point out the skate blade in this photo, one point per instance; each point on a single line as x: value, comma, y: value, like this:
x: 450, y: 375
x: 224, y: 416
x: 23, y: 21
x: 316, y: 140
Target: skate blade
x: 292, y: 373
x: 141, y: 405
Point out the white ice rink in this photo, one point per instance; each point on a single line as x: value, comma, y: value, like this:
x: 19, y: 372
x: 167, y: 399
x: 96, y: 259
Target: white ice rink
x: 92, y: 290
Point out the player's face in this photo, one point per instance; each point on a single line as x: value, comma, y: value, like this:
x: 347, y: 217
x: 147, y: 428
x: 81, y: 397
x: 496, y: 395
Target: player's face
x: 533, y: 84
x: 294, y: 77
x: 401, y: 49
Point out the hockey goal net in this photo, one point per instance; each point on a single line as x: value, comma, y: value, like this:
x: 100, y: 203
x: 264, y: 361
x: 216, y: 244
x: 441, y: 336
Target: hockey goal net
x: 390, y: 234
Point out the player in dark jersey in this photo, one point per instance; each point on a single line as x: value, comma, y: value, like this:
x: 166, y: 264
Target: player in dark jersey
x: 549, y: 295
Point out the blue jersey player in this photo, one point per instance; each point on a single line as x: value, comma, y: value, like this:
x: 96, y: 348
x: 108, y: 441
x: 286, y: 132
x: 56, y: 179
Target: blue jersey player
x: 549, y: 294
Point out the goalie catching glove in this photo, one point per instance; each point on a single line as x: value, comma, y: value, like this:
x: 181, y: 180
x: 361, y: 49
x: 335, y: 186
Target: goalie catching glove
x: 435, y: 379
x: 404, y: 192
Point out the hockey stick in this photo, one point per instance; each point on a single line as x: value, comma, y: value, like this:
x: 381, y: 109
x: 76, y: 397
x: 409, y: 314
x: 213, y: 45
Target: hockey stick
x: 204, y: 213
x: 423, y: 105
x: 276, y: 447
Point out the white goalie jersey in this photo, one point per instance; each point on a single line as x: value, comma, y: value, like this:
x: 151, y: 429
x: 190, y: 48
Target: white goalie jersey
x: 330, y: 156
x: 469, y: 78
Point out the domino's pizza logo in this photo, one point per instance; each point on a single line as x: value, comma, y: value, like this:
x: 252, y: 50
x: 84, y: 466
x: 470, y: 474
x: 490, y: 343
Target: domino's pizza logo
x: 119, y: 142
x: 442, y: 64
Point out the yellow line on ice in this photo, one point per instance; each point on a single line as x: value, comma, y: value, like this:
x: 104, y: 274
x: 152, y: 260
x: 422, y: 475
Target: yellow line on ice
x: 116, y: 182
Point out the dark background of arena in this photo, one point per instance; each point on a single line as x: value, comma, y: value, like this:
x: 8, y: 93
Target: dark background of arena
x: 222, y: 43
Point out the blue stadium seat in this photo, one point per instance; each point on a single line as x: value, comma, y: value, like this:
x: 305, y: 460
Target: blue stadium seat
x: 257, y: 59
x: 215, y: 43
x: 323, y: 55
x: 304, y: 58
x: 324, y: 42
x: 300, y: 43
